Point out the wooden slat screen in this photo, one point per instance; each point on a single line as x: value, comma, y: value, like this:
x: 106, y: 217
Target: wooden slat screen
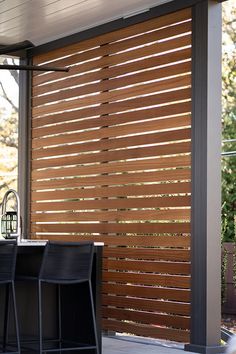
x: 111, y: 162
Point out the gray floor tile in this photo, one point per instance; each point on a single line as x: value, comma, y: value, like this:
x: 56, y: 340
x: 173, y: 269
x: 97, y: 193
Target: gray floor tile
x: 125, y: 345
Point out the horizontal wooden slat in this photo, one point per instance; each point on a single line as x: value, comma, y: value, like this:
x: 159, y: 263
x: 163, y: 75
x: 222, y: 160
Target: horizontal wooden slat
x: 136, y: 53
x: 111, y: 120
x: 148, y: 164
x: 149, y: 292
x: 164, y: 188
x: 130, y: 178
x: 171, y: 307
x: 148, y: 254
x: 137, y: 78
x: 113, y: 204
x: 139, y: 228
x: 110, y: 96
x: 144, y: 241
x: 126, y: 32
x: 168, y: 214
x: 135, y: 128
x: 129, y: 141
x: 111, y: 162
x: 177, y: 335
x: 146, y: 317
x: 114, y: 71
x: 133, y: 103
x: 148, y: 266
x: 133, y: 153
x: 175, y: 281
x: 144, y: 139
x: 117, y: 95
x: 132, y: 42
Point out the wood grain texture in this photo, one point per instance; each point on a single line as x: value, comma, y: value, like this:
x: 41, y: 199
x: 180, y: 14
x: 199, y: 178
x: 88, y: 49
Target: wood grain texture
x: 149, y: 267
x: 114, y: 71
x: 122, y: 154
x: 126, y: 44
x: 122, y: 191
x: 135, y: 228
x: 147, y: 331
x: 147, y: 292
x: 114, y: 204
x: 163, y: 214
x: 111, y: 162
x: 107, y: 132
x: 170, y: 281
x: 113, y: 36
x: 93, y: 109
x: 129, y: 178
x: 120, y: 82
x: 152, y: 49
x: 142, y: 241
x: 125, y: 166
x: 110, y: 144
x: 148, y: 254
x: 171, y: 307
x: 157, y: 319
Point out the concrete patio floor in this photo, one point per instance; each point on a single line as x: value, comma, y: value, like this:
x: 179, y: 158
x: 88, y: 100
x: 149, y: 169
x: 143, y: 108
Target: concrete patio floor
x: 133, y: 345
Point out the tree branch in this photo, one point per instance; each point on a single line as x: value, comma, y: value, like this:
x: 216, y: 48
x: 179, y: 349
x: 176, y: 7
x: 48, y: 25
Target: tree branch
x: 5, y: 96
x: 14, y: 73
x: 7, y: 184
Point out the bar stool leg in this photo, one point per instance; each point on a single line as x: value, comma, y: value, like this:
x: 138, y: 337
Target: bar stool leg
x: 6, y: 317
x: 40, y: 317
x: 93, y: 316
x: 15, y: 316
x: 59, y: 316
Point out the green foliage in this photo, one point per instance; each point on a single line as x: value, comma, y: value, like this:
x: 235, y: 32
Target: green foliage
x: 224, y: 264
x: 229, y: 122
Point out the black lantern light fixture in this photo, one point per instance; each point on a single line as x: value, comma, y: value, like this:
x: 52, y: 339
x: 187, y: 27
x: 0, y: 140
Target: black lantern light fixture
x: 10, y: 220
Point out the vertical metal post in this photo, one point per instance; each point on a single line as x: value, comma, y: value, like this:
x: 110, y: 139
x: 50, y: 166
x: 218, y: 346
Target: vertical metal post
x: 206, y: 182
x: 24, y: 147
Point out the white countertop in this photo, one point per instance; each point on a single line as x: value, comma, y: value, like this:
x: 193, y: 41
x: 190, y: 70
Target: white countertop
x: 43, y: 243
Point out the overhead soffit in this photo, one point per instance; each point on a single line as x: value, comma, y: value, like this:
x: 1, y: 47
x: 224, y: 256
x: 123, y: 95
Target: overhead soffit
x: 41, y: 21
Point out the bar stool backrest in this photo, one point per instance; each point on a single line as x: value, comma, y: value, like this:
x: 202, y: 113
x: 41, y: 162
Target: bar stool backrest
x: 8, y: 252
x: 67, y: 262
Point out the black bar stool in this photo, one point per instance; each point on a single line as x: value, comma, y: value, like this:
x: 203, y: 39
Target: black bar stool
x: 8, y: 253
x: 66, y: 264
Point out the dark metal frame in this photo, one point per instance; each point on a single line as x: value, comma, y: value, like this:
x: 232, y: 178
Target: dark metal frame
x: 31, y: 68
x: 24, y: 150
x: 206, y: 183
x: 206, y: 127
x: 20, y: 48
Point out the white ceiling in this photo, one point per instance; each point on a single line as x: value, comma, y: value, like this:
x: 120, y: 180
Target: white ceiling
x: 41, y: 21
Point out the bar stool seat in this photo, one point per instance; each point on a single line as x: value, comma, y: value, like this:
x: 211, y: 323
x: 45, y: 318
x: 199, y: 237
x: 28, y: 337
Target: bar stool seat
x: 8, y: 253
x: 65, y: 264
